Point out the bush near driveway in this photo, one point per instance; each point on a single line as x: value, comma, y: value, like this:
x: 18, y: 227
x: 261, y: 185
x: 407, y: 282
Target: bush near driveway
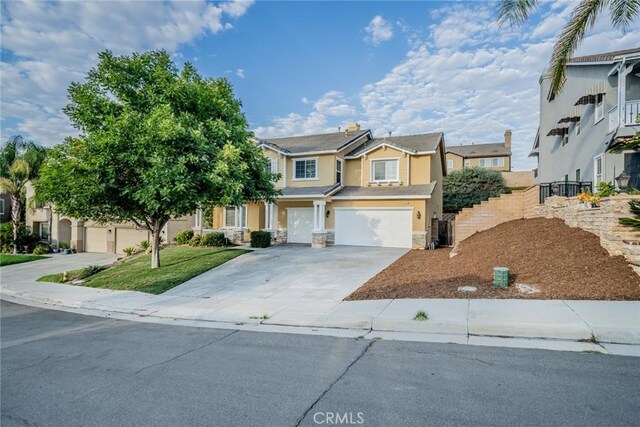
x: 183, y: 237
x: 179, y: 265
x: 9, y: 259
x: 260, y: 239
x: 213, y: 239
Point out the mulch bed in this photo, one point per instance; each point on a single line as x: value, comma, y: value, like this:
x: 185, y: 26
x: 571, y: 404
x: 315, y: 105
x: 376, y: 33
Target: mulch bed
x: 562, y: 262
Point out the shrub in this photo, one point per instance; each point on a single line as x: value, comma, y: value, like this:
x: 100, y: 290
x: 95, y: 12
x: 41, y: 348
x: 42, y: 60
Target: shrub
x: 183, y: 237
x: 144, y: 245
x: 27, y: 240
x: 605, y: 189
x: 40, y: 250
x: 63, y: 245
x: 195, y: 240
x: 129, y: 251
x: 260, y: 239
x: 466, y: 187
x: 213, y: 239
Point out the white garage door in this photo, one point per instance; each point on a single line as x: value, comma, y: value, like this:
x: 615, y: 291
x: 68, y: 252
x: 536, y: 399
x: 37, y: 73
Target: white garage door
x: 129, y: 238
x: 95, y: 239
x: 299, y: 225
x: 386, y: 227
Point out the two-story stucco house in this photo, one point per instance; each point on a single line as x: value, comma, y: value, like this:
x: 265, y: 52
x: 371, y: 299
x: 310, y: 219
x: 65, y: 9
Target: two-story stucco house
x: 347, y: 188
x: 88, y: 236
x: 596, y: 111
x: 496, y: 156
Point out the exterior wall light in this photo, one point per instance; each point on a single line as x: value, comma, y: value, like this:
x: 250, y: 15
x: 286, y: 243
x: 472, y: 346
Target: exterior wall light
x: 623, y: 180
x: 418, y: 215
x: 328, y: 213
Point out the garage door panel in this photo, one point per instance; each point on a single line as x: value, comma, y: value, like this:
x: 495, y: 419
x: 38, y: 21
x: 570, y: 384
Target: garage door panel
x: 129, y: 238
x: 95, y: 239
x: 299, y: 225
x: 374, y: 227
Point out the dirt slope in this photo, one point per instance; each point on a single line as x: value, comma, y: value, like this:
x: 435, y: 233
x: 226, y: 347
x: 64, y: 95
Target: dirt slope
x: 562, y: 262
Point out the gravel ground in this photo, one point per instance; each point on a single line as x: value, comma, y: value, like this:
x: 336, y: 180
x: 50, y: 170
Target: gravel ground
x: 560, y: 261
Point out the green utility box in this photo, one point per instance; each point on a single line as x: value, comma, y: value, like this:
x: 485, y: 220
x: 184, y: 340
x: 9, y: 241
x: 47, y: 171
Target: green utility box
x: 500, y: 277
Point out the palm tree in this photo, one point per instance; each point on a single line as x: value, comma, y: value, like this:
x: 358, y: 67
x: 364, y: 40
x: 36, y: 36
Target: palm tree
x: 583, y: 16
x: 20, y: 162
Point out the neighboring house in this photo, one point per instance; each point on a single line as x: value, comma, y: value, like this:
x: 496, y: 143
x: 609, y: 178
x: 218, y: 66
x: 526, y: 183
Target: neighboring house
x: 87, y: 236
x: 347, y: 188
x: 5, y: 207
x: 596, y: 111
x: 492, y: 156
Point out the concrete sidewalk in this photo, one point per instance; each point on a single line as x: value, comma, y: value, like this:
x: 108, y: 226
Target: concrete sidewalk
x: 607, y: 326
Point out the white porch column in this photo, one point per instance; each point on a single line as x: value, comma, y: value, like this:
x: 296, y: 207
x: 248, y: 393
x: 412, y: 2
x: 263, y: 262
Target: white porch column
x: 318, y: 215
x: 269, y: 216
x: 198, y: 219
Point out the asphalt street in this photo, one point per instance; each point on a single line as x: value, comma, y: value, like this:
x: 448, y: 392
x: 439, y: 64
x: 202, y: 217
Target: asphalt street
x: 64, y: 369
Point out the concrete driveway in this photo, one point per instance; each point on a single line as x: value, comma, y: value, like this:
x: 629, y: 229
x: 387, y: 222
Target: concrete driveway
x: 293, y: 272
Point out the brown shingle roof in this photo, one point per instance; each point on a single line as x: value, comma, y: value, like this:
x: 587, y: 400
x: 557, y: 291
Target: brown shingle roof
x: 383, y: 191
x: 412, y: 143
x: 604, y: 57
x: 310, y: 143
x: 480, y: 150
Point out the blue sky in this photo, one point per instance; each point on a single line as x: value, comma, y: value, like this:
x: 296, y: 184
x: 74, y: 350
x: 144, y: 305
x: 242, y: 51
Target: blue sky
x: 305, y: 67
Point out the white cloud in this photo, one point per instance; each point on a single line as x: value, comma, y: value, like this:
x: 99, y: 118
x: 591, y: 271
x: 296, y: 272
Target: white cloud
x: 332, y: 104
x: 468, y: 78
x: 379, y: 30
x: 304, y: 100
x: 240, y: 73
x: 56, y: 43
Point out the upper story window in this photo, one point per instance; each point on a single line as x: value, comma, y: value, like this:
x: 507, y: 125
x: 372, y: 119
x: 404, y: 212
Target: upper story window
x: 578, y: 128
x: 235, y: 217
x: 565, y: 140
x: 384, y: 170
x: 598, y: 113
x: 273, y: 165
x: 491, y: 162
x: 467, y: 163
x: 449, y: 163
x: 339, y: 170
x: 305, y: 169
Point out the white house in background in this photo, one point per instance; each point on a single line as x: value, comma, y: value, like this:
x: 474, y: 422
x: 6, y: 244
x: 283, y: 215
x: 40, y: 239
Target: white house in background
x: 596, y: 111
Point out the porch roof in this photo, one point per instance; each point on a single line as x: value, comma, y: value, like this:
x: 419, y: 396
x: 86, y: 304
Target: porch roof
x: 322, y: 191
x: 387, y: 192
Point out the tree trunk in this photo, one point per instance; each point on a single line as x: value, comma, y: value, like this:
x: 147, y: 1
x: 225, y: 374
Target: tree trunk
x: 16, y: 210
x: 156, y: 236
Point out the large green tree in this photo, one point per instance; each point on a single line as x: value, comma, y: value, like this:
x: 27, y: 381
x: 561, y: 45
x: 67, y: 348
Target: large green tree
x: 156, y: 142
x: 466, y: 187
x: 583, y: 16
x: 20, y: 162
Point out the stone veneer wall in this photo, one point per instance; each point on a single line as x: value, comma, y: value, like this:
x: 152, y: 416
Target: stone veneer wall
x: 602, y: 221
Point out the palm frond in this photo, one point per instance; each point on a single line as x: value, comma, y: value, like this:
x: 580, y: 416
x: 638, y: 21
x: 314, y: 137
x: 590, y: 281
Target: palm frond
x: 623, y: 12
x: 583, y: 16
x: 515, y: 12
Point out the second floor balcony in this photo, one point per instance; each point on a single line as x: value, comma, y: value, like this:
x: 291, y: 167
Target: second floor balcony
x: 630, y: 115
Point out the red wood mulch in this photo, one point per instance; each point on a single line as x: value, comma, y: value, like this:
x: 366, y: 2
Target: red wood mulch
x: 562, y: 262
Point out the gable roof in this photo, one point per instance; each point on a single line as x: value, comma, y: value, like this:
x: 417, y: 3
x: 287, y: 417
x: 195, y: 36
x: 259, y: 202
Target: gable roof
x: 329, y: 142
x: 480, y: 150
x: 603, y: 57
x: 411, y: 143
x: 423, y: 191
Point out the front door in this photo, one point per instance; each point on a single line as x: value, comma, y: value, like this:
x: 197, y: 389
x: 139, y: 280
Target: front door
x: 299, y: 225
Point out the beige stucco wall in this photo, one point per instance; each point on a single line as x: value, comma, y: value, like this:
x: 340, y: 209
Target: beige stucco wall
x: 275, y: 155
x: 420, y: 169
x: 458, y: 162
x: 353, y: 169
x: 518, y: 179
x: 386, y: 153
x: 326, y: 171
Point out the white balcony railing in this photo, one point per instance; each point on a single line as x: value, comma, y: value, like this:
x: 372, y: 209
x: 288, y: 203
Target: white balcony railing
x: 632, y: 112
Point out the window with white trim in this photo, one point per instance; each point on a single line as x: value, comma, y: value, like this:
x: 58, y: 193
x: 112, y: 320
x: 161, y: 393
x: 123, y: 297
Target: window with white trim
x: 384, y: 170
x: 305, y: 169
x: 467, y: 163
x: 449, y: 163
x: 490, y: 162
x: 597, y: 169
x: 497, y: 162
x: 339, y: 170
x: 598, y: 113
x: 235, y: 217
x: 273, y: 165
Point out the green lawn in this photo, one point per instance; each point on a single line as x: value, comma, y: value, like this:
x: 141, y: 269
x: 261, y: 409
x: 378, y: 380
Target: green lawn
x: 8, y: 259
x: 177, y: 266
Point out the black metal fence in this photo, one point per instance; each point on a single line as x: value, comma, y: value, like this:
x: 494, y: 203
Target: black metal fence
x: 563, y: 188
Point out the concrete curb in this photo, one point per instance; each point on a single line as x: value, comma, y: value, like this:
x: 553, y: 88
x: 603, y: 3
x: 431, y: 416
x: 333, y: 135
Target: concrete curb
x: 445, y: 324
